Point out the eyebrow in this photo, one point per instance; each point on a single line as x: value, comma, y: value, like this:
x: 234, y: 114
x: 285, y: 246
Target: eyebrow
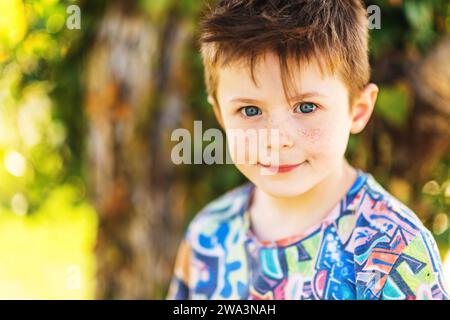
x: 295, y: 98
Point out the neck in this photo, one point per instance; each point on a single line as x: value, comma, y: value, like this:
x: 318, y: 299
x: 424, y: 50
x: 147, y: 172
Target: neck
x: 303, y: 211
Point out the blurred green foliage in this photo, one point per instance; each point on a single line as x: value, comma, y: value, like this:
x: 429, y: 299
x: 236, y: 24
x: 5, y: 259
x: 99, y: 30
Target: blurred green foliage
x: 45, y: 220
x: 48, y: 255
x: 393, y: 104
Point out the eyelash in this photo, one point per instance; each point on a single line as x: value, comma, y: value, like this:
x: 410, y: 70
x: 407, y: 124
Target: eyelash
x: 240, y: 110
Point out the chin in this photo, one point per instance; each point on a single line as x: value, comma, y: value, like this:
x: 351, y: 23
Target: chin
x: 283, y: 188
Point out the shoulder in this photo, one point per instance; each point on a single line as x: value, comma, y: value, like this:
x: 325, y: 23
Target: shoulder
x: 219, y: 218
x: 388, y: 236
x: 383, y: 218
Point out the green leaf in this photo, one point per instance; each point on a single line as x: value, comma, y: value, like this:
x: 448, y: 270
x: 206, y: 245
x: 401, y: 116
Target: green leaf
x: 393, y: 105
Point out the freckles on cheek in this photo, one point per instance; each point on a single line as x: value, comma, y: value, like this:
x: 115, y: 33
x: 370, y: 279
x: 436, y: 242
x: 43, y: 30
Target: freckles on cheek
x: 311, y: 135
x: 319, y: 141
x: 314, y: 137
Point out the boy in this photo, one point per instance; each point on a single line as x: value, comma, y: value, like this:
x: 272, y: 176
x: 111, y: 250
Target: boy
x: 314, y: 228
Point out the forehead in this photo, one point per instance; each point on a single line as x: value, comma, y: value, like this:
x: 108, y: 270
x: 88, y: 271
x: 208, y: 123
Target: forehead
x: 235, y: 79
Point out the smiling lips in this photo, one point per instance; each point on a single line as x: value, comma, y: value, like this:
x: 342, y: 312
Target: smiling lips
x: 282, y: 168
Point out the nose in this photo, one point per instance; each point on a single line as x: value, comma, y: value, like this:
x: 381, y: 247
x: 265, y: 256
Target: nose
x: 280, y: 133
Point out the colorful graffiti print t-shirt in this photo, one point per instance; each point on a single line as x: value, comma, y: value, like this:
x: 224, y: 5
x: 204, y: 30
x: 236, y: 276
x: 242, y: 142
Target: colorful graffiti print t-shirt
x: 370, y: 246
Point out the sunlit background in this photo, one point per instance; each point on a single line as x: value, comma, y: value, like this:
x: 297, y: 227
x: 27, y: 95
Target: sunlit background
x: 48, y: 218
x: 47, y: 228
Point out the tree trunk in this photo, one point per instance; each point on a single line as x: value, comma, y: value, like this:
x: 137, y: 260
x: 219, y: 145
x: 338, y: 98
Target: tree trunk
x: 134, y: 93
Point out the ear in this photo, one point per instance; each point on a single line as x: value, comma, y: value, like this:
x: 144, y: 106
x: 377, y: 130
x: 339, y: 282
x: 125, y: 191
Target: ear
x: 362, y: 108
x: 217, y: 111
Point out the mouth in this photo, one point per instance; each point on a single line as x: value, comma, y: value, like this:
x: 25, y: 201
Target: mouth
x: 282, y: 168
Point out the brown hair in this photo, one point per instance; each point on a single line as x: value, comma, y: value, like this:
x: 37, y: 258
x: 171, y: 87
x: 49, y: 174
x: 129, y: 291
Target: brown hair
x: 333, y: 33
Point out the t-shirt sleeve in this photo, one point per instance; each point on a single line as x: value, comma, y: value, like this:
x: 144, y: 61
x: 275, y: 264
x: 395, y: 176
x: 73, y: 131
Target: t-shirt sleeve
x: 417, y: 273
x: 179, y: 284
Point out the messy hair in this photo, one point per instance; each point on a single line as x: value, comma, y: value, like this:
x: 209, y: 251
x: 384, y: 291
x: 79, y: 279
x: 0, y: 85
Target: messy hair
x: 332, y: 33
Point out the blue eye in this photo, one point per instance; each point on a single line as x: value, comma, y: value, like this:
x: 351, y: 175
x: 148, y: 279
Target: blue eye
x: 250, y: 111
x: 306, y: 107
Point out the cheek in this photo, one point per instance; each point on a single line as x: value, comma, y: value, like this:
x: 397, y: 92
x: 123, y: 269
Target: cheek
x: 328, y: 139
x: 313, y: 136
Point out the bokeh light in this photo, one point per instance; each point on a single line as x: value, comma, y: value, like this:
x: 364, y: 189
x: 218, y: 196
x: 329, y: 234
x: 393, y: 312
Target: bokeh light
x: 15, y: 163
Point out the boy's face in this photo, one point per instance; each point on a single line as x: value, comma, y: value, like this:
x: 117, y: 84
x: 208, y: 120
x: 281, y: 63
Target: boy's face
x: 313, y: 130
